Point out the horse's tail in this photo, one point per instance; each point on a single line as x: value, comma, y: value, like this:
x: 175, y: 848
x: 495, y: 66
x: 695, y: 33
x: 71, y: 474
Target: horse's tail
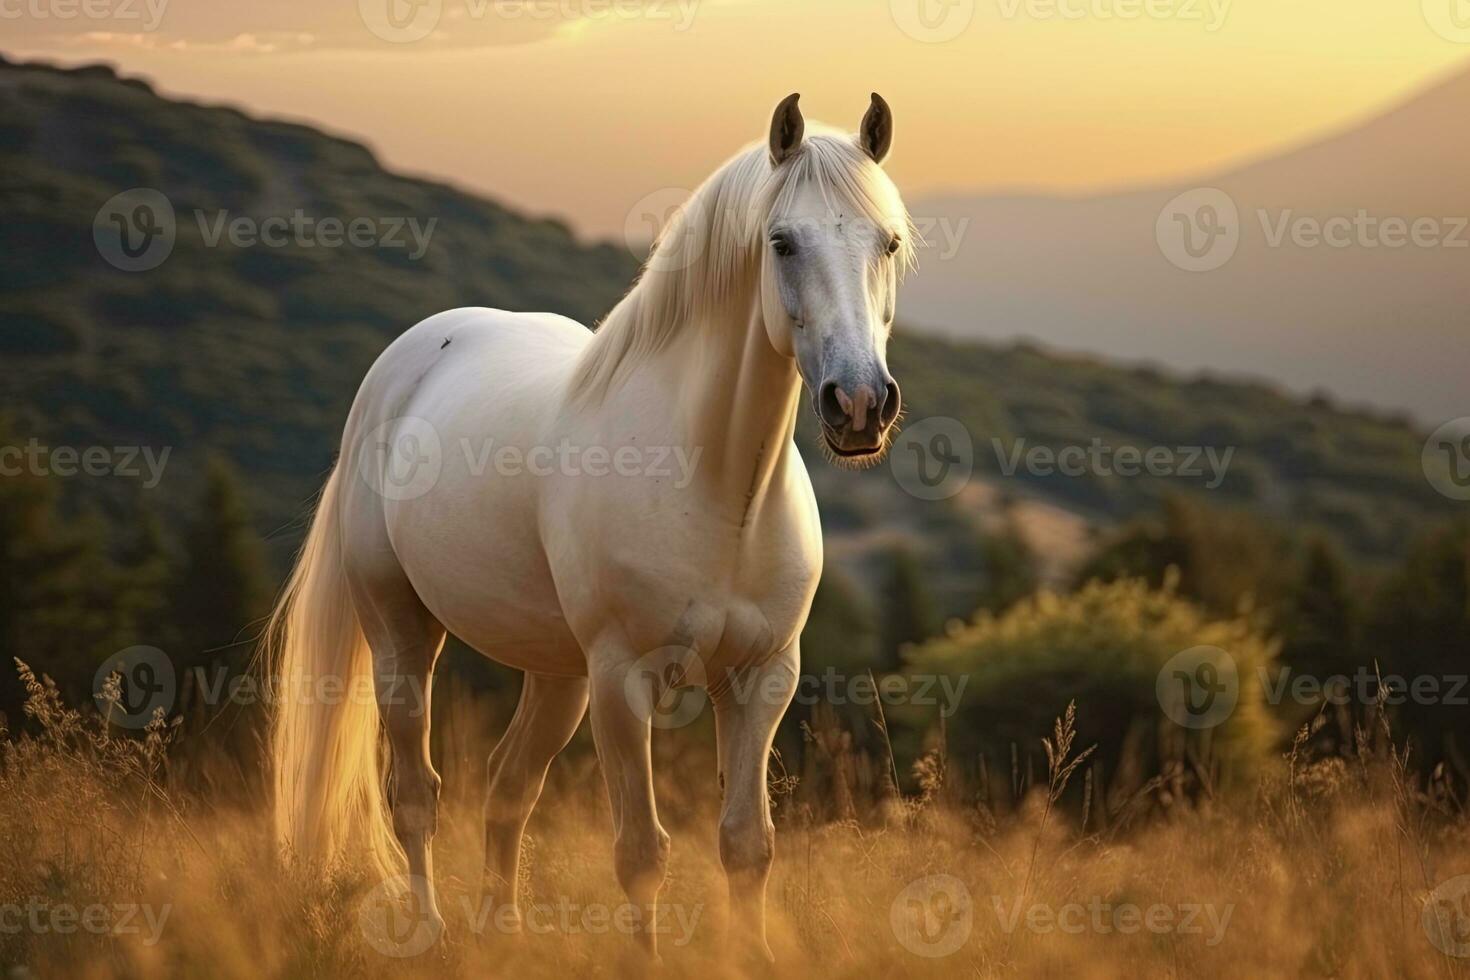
x: 325, y: 740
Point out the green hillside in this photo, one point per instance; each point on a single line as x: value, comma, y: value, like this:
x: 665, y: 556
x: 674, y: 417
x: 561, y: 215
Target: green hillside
x: 253, y: 353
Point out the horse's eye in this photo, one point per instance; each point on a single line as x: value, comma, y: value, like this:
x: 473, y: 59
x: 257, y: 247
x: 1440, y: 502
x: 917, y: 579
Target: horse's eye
x: 893, y: 244
x: 782, y: 245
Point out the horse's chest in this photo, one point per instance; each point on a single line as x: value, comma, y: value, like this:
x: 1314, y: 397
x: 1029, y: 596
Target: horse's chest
x: 730, y: 622
x: 735, y: 595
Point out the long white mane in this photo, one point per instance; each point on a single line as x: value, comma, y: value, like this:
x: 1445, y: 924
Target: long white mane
x: 707, y: 255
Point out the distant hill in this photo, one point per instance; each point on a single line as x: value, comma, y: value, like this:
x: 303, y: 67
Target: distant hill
x: 1374, y: 323
x: 255, y: 352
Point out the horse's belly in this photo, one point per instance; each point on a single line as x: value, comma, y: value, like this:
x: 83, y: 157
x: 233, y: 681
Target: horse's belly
x: 490, y: 587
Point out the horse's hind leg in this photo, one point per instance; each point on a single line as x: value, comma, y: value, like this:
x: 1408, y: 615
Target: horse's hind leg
x: 746, y: 725
x: 623, y: 736
x: 405, y: 641
x: 549, y: 712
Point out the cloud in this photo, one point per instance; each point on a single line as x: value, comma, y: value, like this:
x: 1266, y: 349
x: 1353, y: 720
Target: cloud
x: 269, y: 27
x: 239, y: 44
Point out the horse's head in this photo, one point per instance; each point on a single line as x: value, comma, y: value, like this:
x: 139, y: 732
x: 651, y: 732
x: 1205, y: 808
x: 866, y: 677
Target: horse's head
x: 837, y: 240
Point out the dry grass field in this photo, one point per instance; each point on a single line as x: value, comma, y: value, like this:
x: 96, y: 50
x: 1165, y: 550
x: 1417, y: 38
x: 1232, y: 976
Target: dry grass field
x: 111, y: 867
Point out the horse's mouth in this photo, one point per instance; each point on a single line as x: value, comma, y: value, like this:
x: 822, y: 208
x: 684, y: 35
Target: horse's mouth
x: 862, y: 452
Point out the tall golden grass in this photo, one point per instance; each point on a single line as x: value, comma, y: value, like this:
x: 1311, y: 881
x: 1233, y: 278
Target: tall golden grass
x: 1324, y: 868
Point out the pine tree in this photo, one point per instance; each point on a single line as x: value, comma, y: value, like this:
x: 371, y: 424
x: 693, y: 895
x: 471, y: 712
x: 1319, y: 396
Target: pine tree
x: 223, y: 589
x: 54, y: 613
x: 1010, y: 569
x: 910, y: 613
x: 142, y: 580
x: 1419, y: 631
x: 1320, y: 618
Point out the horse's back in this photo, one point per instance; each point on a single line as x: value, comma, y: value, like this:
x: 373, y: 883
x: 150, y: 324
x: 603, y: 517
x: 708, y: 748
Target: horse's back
x: 487, y: 351
x: 507, y: 340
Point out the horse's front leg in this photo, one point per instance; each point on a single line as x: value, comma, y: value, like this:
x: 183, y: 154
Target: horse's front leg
x: 622, y: 714
x: 747, y: 711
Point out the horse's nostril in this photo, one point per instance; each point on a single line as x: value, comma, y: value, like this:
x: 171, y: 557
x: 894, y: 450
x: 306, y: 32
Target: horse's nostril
x: 829, y: 406
x: 892, y: 402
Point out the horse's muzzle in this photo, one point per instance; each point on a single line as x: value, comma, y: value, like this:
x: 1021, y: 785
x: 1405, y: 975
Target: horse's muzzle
x: 856, y: 417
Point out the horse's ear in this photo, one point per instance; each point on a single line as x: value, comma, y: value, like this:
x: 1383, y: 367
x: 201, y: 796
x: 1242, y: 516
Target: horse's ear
x: 786, y: 129
x: 876, y: 132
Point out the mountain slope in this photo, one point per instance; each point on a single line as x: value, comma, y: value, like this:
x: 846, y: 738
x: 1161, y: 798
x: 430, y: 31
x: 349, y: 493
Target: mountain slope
x: 251, y: 350
x: 1369, y: 322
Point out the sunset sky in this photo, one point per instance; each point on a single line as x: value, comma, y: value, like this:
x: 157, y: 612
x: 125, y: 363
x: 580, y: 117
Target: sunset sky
x: 580, y: 108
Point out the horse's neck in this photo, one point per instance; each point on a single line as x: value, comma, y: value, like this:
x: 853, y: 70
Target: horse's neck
x: 737, y: 399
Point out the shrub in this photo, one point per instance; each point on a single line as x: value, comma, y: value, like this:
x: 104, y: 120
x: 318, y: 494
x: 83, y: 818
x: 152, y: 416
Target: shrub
x: 1103, y: 646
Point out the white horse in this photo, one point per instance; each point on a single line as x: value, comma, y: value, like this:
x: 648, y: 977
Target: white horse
x: 508, y: 477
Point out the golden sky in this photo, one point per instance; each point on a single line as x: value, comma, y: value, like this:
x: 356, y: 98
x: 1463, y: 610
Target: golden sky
x: 580, y: 108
